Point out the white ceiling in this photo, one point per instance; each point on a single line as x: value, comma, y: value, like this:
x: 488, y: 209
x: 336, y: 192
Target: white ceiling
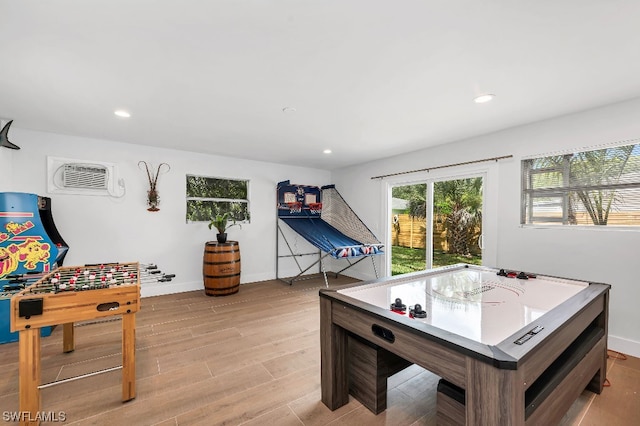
x: 367, y: 78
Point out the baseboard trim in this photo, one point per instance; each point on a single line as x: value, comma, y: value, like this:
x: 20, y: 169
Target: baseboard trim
x: 625, y: 346
x: 159, y: 289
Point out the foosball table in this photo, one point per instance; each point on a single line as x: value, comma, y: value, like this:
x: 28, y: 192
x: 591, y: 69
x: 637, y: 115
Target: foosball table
x: 62, y: 297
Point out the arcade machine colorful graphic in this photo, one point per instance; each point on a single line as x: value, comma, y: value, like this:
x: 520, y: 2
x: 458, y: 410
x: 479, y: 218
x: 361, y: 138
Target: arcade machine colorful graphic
x: 30, y: 245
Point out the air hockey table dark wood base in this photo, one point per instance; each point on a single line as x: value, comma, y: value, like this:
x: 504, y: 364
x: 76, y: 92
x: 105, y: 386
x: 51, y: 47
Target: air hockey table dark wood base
x: 502, y: 384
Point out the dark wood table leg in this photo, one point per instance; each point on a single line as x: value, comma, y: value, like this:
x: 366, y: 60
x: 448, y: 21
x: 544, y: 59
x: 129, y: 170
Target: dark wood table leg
x: 493, y: 396
x: 369, y: 368
x: 333, y: 359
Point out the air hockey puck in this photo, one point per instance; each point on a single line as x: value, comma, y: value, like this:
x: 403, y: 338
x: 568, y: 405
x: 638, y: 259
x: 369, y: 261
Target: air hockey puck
x: 417, y: 312
x: 398, y: 306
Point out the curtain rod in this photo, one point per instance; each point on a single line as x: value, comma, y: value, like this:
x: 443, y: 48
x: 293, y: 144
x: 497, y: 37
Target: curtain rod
x: 442, y: 167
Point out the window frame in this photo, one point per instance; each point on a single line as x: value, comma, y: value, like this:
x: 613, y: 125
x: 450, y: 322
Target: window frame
x: 563, y: 191
x: 247, y: 201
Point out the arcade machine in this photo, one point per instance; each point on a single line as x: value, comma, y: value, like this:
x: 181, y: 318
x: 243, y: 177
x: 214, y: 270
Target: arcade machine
x: 44, y: 207
x: 30, y: 246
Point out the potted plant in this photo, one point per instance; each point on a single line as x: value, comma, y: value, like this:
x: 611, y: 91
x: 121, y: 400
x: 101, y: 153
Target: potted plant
x: 221, y: 223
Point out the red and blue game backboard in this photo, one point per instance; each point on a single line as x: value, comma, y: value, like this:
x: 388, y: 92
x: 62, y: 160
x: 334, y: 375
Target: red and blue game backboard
x: 298, y: 200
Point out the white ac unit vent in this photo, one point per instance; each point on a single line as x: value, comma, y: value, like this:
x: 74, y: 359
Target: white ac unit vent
x: 85, y: 176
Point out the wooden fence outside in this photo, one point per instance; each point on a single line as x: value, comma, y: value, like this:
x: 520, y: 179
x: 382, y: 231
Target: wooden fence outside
x: 628, y: 218
x: 412, y: 232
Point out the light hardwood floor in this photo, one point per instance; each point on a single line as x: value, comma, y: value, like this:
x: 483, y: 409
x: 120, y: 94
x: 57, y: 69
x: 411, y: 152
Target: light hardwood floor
x: 246, y: 359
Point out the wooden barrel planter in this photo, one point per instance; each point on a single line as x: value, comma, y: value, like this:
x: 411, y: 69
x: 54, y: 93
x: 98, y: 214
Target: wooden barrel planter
x: 221, y: 268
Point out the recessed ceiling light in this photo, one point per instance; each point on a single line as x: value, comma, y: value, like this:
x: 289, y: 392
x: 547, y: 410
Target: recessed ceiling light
x: 326, y: 151
x: 122, y: 113
x: 484, y: 98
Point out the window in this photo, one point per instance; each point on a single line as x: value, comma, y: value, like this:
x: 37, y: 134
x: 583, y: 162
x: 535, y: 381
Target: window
x: 598, y: 187
x: 208, y: 197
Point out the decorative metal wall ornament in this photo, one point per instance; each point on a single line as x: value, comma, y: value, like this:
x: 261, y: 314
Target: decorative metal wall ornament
x: 153, y: 199
x: 4, y: 137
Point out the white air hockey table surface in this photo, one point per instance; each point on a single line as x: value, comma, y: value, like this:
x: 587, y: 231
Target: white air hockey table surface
x: 473, y: 302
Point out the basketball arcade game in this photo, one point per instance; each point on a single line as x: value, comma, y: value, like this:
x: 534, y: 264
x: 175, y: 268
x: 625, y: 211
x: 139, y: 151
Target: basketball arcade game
x: 519, y: 348
x: 323, y: 218
x: 65, y: 296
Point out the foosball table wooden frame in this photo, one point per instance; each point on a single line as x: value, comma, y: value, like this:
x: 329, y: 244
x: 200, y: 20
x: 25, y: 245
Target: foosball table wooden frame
x: 43, y: 304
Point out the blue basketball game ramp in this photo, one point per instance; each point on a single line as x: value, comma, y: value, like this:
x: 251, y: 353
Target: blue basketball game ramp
x: 323, y: 218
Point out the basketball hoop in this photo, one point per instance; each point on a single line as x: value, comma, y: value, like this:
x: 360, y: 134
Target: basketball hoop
x: 295, y: 207
x: 315, y: 208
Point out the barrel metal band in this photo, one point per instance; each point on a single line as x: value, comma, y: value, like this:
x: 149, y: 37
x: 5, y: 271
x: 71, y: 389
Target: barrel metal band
x: 222, y: 263
x: 223, y: 276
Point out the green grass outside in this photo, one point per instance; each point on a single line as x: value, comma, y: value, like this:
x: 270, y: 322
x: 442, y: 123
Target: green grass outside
x: 405, y: 260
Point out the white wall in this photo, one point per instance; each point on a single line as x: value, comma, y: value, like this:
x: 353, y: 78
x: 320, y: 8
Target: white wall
x: 100, y: 229
x: 6, y: 156
x: 600, y: 255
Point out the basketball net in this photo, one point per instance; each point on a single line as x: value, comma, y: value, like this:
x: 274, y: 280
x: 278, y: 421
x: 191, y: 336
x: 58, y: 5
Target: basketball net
x: 295, y: 207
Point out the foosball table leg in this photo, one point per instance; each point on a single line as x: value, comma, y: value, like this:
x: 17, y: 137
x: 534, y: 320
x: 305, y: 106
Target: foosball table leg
x: 29, y: 376
x: 128, y: 357
x: 68, y: 338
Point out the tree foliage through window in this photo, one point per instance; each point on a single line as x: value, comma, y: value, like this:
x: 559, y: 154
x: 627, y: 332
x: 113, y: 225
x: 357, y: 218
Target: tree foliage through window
x: 597, y: 187
x: 208, y: 197
x: 457, y: 203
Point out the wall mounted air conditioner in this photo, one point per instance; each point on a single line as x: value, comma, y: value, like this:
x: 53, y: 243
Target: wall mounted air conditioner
x: 85, y: 176
x: 81, y: 177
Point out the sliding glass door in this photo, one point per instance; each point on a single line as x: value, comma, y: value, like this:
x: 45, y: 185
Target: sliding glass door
x: 436, y: 223
x: 457, y: 221
x: 408, y: 228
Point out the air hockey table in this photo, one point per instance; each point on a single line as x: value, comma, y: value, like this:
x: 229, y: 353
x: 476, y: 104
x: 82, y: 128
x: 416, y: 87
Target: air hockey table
x: 521, y: 347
